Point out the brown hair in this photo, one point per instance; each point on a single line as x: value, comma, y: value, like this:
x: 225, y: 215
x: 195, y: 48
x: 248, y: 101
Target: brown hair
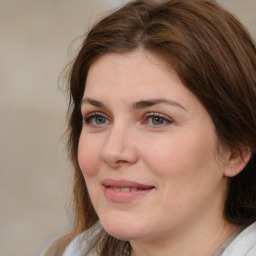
x: 213, y: 55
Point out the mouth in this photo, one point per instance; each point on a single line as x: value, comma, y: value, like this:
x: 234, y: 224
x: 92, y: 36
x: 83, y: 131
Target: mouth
x: 124, y: 191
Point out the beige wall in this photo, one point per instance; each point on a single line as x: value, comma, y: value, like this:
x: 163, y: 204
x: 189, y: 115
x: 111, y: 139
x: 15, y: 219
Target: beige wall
x: 35, y: 178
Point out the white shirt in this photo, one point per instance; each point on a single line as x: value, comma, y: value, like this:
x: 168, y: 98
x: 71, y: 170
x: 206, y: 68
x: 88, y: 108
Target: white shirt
x: 243, y: 245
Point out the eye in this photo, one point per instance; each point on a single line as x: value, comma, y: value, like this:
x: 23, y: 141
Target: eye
x: 96, y: 119
x: 156, y: 119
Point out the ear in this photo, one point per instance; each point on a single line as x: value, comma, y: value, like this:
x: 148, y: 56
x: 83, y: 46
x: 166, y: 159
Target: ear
x: 237, y: 162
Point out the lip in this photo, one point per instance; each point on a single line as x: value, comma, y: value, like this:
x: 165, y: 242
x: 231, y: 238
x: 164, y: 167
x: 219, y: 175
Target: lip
x: 116, y: 190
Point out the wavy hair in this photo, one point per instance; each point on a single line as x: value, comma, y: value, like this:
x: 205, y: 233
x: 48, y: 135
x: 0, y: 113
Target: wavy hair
x: 215, y: 58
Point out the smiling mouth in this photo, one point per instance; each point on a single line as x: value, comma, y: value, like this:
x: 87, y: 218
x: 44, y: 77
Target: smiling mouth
x: 119, y: 191
x: 125, y: 189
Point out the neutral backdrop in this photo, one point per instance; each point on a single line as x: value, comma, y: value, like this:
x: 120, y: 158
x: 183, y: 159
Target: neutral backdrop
x: 37, y: 40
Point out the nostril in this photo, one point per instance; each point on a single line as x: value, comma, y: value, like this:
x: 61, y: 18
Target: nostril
x: 121, y: 161
x: 116, y: 156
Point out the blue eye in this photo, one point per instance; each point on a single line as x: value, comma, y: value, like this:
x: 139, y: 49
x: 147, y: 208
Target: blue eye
x: 96, y: 119
x: 156, y: 119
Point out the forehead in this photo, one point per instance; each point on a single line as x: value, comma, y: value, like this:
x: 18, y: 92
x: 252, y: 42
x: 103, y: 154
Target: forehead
x: 137, y: 70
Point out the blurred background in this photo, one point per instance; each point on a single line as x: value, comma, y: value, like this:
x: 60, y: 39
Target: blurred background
x: 37, y: 40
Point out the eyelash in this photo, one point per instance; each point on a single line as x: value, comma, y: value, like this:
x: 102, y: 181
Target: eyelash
x: 88, y: 119
x: 92, y: 116
x: 162, y: 117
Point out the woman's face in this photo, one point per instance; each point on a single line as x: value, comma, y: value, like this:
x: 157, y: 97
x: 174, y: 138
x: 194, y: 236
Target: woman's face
x: 148, y: 150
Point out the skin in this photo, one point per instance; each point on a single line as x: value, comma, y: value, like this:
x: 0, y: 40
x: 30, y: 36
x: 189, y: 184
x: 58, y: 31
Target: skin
x: 171, y: 146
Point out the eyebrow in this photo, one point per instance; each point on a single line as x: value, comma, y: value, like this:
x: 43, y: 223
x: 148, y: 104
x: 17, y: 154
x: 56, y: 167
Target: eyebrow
x: 137, y: 105
x: 93, y: 102
x: 152, y: 102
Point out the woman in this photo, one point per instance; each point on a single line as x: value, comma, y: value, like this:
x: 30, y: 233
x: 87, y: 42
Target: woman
x: 163, y: 134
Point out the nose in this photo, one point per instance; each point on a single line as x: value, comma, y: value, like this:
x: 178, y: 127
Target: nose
x: 119, y: 147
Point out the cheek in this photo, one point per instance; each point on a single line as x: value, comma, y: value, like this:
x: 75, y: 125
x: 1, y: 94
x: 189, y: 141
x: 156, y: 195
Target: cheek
x: 184, y: 158
x: 187, y: 173
x: 88, y: 156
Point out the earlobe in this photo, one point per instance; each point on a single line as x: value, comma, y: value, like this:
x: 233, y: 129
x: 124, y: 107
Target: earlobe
x: 237, y: 162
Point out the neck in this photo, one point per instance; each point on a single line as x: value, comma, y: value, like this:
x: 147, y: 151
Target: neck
x: 203, y: 243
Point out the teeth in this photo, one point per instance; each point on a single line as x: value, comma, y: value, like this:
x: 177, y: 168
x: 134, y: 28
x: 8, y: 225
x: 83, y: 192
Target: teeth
x: 124, y: 189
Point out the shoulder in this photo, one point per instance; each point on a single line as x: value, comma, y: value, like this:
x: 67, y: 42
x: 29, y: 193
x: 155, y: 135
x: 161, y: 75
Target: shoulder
x: 77, y: 246
x: 243, y: 244
x: 56, y: 247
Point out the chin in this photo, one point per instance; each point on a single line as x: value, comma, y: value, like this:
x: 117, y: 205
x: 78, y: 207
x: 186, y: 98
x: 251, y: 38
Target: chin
x: 124, y: 235
x: 123, y: 229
